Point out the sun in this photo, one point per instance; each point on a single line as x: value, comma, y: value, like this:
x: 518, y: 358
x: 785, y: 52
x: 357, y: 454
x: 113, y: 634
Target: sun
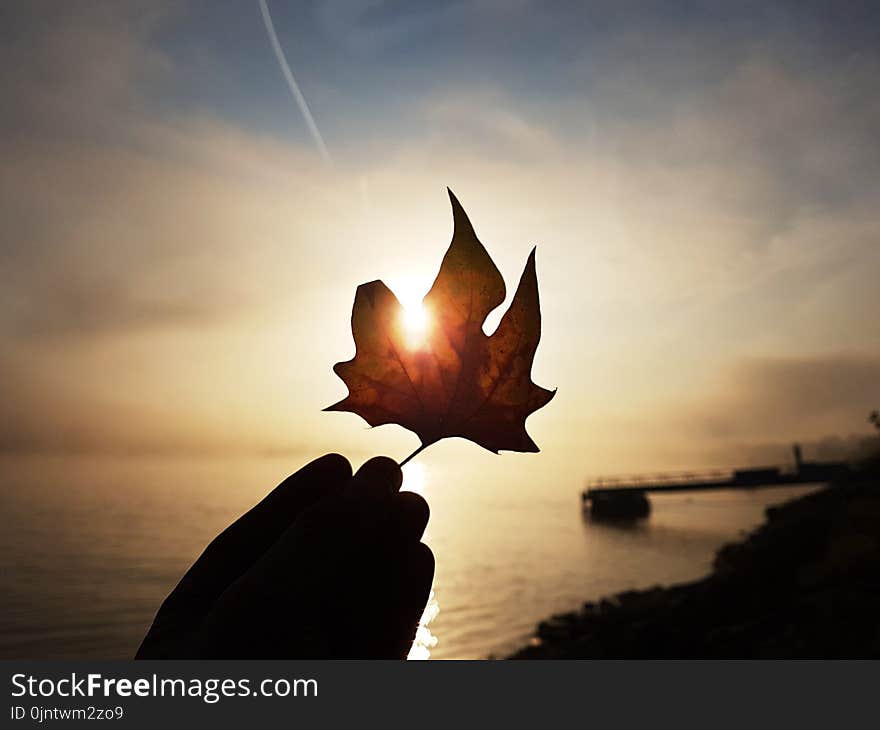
x: 415, y: 318
x: 415, y: 324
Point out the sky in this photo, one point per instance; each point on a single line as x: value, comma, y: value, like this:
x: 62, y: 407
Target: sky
x: 702, y: 182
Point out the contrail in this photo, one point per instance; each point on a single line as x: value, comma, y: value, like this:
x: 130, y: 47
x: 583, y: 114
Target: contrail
x: 291, y: 82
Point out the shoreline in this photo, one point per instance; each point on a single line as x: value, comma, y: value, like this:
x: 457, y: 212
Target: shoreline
x: 805, y: 584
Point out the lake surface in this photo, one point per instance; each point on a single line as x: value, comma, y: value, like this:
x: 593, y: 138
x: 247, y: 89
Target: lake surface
x: 90, y: 546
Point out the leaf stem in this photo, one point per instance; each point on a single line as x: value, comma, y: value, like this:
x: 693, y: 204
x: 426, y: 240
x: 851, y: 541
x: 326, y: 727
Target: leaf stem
x: 416, y: 453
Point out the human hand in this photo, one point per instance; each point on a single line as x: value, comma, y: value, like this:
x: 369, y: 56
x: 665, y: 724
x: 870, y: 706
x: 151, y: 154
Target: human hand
x: 326, y: 566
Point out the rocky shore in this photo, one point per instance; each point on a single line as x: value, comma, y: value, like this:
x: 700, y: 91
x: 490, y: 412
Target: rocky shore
x: 805, y: 584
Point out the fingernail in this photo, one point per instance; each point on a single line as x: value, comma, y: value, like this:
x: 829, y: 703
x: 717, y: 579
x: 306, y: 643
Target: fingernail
x: 380, y: 477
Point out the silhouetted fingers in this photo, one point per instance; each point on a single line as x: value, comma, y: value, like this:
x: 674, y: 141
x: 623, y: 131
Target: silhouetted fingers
x: 367, y: 512
x: 409, y: 514
x: 408, y: 587
x: 389, y: 580
x: 244, y: 542
x: 379, y: 477
x: 415, y: 575
x: 348, y: 578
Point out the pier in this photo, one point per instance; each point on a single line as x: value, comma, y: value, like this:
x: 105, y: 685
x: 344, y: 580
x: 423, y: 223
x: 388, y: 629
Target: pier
x: 625, y: 497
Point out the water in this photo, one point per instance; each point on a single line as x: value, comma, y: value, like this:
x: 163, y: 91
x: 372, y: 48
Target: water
x: 90, y: 546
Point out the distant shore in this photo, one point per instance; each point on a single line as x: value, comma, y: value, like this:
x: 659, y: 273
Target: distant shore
x: 804, y: 584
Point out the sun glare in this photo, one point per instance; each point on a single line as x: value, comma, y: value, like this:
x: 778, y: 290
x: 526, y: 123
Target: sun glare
x: 415, y: 323
x: 415, y: 319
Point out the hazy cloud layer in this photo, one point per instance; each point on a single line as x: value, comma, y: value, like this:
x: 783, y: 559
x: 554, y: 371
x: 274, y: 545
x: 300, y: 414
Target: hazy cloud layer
x: 176, y: 258
x: 803, y: 397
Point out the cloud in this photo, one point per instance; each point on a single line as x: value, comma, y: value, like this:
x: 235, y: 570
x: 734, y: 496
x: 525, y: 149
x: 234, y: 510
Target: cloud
x: 43, y: 415
x: 750, y: 412
x: 118, y: 213
x: 794, y: 397
x: 67, y: 65
x: 699, y: 197
x: 488, y: 120
x: 107, y: 308
x: 141, y: 247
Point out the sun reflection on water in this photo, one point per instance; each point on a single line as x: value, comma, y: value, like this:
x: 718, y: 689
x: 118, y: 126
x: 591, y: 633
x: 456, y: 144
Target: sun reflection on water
x: 425, y: 640
x: 415, y: 479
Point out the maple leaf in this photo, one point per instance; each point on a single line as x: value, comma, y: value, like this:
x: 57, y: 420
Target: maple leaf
x: 457, y: 381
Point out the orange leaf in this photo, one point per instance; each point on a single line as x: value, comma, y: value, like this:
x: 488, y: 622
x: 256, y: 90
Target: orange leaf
x: 457, y: 381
